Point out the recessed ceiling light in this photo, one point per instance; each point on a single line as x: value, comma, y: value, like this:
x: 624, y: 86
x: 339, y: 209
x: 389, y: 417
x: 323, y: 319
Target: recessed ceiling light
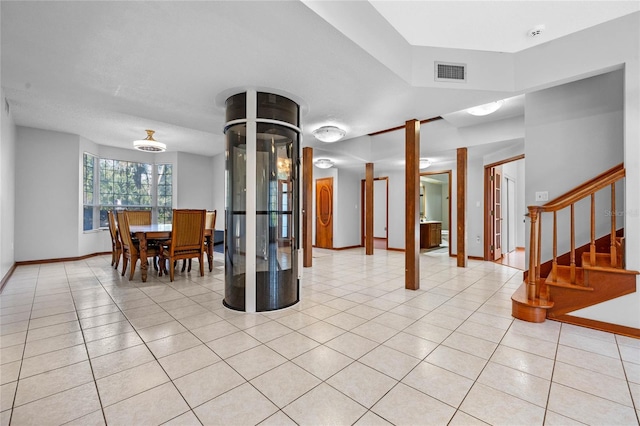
x: 485, y: 109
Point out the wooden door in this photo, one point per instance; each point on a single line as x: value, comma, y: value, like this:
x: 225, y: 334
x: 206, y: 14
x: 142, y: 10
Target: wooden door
x: 496, y: 212
x: 324, y: 213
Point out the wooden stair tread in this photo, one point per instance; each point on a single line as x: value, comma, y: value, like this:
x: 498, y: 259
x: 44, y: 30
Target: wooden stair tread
x: 520, y: 296
x: 529, y: 310
x: 563, y: 278
x: 603, y: 263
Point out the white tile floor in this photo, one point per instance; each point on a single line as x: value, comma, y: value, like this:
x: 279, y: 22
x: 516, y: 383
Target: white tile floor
x: 82, y: 345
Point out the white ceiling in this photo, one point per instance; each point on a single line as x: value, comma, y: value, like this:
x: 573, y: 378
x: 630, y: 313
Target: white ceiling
x: 109, y: 70
x: 498, y: 26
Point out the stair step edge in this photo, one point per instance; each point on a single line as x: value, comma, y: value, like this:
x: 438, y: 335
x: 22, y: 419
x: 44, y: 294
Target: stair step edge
x: 569, y: 286
x: 610, y: 269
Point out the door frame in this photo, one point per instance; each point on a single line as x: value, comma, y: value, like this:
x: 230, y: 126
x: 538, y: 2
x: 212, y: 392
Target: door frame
x: 450, y: 173
x: 330, y: 178
x: 488, y: 238
x: 362, y: 210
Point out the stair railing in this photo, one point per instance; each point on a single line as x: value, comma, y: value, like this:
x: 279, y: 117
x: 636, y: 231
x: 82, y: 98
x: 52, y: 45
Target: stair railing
x: 569, y: 199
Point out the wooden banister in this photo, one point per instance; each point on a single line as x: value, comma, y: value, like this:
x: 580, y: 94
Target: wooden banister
x: 582, y: 191
x: 569, y: 199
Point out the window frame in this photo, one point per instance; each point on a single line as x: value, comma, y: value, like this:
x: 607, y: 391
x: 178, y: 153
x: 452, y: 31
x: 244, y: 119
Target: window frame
x: 98, y: 206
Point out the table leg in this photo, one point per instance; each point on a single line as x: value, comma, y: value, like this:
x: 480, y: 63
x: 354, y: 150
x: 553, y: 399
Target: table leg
x: 142, y: 238
x: 210, y: 252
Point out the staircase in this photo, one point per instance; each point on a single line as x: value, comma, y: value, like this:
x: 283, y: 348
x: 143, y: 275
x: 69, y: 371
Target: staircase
x: 585, y: 276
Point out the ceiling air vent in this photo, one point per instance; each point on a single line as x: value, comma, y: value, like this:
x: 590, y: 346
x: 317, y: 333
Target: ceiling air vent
x: 448, y: 72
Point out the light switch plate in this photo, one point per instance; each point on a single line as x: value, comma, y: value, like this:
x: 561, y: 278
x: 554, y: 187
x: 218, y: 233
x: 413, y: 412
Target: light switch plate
x: 542, y: 196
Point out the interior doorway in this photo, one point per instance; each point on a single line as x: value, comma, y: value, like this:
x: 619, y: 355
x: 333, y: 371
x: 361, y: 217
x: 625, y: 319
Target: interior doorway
x: 504, y: 212
x: 324, y: 212
x: 380, y: 212
x: 435, y: 212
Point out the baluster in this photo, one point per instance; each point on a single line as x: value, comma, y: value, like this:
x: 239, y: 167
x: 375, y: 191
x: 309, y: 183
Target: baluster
x: 554, y: 265
x: 592, y: 249
x: 539, y: 257
x: 613, y: 226
x: 573, y: 246
x: 531, y: 284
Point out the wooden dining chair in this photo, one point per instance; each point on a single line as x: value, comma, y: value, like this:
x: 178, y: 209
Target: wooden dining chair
x: 209, y: 223
x: 116, y: 245
x: 130, y: 248
x: 187, y: 240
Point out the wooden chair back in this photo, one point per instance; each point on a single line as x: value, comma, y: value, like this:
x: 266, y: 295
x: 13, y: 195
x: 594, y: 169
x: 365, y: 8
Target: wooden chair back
x: 116, y: 245
x: 139, y: 217
x: 112, y: 228
x: 187, y: 233
x: 125, y: 233
x: 210, y: 222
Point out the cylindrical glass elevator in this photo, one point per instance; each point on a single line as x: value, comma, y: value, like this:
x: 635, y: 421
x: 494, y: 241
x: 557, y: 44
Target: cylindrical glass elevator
x: 262, y: 209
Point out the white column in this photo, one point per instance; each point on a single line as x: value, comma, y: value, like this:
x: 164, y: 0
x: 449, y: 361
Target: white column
x: 250, y: 194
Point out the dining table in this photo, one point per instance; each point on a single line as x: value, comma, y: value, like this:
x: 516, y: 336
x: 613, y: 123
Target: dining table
x: 159, y: 232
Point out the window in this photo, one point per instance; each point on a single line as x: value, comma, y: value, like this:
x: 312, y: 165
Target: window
x: 88, y: 182
x: 165, y: 193
x: 115, y: 184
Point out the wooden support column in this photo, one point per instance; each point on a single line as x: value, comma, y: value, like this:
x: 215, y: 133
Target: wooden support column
x: 307, y: 206
x: 412, y: 205
x: 461, y: 191
x: 368, y: 208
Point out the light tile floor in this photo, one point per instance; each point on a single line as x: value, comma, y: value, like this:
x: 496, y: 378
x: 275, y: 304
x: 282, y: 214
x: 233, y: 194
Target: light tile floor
x: 82, y: 345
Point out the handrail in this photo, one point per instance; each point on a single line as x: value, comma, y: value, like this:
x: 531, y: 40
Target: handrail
x: 569, y: 199
x: 584, y: 190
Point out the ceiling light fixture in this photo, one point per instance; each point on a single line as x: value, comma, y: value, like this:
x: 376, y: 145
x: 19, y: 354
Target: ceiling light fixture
x: 424, y: 163
x: 329, y: 134
x: 324, y: 163
x: 485, y: 109
x: 149, y: 144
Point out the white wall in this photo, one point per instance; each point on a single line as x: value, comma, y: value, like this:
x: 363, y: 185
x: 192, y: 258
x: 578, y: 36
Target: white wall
x: 475, y: 207
x: 48, y: 182
x: 395, y: 239
x: 194, y: 182
x: 434, y: 201
x: 612, y: 45
x: 380, y: 208
x: 346, y: 222
x: 218, y: 185
x: 7, y: 190
x: 47, y: 188
x: 579, y: 128
x: 94, y: 241
x: 515, y: 171
x: 445, y: 204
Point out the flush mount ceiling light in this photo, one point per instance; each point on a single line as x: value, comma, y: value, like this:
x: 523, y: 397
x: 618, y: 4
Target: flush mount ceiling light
x: 329, y: 134
x: 485, y: 109
x: 323, y: 163
x: 424, y: 163
x: 149, y: 144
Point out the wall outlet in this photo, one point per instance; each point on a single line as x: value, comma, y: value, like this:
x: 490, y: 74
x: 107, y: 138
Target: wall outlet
x: 542, y: 196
